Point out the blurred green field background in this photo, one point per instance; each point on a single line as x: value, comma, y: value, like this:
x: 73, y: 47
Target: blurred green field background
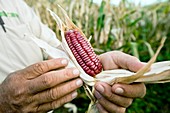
x: 133, y: 29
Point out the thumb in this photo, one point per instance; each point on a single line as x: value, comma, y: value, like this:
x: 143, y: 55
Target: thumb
x: 126, y: 61
x: 136, y: 90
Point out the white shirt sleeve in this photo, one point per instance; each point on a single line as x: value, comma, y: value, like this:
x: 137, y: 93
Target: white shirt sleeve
x: 36, y: 26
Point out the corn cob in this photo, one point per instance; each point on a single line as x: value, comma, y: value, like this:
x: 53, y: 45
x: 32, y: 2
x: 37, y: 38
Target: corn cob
x: 83, y: 52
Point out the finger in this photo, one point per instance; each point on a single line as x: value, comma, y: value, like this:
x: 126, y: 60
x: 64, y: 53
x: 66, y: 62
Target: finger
x: 104, y: 90
x: 57, y: 103
x: 58, y: 91
x: 126, y: 61
x: 107, y: 61
x: 101, y: 109
x: 119, y: 59
x: 52, y: 79
x: 109, y: 106
x: 42, y: 67
x: 133, y: 90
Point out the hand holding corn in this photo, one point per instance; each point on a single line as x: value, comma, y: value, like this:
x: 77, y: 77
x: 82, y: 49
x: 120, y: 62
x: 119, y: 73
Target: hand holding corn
x: 116, y: 98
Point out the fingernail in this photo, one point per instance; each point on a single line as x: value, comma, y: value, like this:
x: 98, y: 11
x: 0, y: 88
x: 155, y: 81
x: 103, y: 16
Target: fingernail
x: 74, y: 95
x: 64, y: 61
x: 119, y: 90
x: 79, y: 82
x: 76, y: 72
x: 100, y: 88
x: 97, y: 95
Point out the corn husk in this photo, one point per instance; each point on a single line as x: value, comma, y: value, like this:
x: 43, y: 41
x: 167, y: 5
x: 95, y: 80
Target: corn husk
x: 158, y: 72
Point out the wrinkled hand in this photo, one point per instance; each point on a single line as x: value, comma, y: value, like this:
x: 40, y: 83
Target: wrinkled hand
x: 116, y: 98
x: 39, y: 88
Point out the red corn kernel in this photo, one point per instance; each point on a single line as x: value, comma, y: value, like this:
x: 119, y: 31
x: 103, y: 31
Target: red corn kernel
x: 83, y: 52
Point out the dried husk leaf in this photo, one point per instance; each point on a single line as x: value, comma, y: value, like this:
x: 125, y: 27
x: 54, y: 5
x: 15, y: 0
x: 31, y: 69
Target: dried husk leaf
x: 162, y: 77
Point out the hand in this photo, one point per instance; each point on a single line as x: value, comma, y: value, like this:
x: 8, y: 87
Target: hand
x: 116, y: 98
x: 39, y: 88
